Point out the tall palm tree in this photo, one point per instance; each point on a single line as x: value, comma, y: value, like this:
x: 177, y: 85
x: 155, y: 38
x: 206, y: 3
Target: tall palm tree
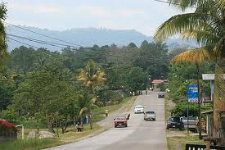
x: 197, y: 57
x: 206, y: 25
x: 3, y: 51
x: 92, y: 75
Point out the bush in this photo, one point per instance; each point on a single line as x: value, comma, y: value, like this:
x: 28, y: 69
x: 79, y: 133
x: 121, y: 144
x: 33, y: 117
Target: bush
x: 162, y: 87
x: 181, y: 109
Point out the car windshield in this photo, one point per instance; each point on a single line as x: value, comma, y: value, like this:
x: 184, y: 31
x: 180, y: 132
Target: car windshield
x: 150, y: 112
x: 139, y: 106
x: 176, y: 119
x: 120, y: 118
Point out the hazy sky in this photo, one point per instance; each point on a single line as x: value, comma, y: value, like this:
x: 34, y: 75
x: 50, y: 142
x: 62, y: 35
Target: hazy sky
x: 142, y: 15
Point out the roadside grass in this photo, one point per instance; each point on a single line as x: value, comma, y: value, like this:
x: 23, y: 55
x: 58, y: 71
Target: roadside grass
x: 34, y: 144
x: 99, y: 113
x: 70, y: 136
x: 178, y: 143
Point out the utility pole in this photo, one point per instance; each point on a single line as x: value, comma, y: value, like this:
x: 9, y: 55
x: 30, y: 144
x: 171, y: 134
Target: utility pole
x: 199, y: 104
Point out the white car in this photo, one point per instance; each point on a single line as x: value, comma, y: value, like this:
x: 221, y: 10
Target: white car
x: 138, y: 109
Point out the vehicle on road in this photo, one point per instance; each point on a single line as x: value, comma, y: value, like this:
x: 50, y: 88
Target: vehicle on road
x: 161, y: 95
x: 175, y: 122
x: 191, y: 123
x: 120, y: 121
x: 149, y: 115
x: 138, y: 109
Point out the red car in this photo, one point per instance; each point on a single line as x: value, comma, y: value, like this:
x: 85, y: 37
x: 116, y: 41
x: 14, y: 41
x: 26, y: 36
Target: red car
x: 120, y: 121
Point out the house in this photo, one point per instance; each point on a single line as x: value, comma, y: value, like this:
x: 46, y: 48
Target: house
x: 8, y: 131
x: 157, y: 82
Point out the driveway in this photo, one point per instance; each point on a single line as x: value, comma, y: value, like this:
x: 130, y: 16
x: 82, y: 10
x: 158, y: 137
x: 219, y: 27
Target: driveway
x: 139, y: 135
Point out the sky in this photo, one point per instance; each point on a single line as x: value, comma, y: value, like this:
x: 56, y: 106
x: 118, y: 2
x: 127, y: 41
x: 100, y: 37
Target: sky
x: 141, y: 15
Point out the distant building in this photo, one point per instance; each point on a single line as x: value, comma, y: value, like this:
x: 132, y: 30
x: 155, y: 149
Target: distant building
x: 8, y: 131
x: 157, y: 82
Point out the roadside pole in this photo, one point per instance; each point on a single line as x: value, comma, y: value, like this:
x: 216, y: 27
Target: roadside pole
x: 199, y: 105
x: 188, y: 119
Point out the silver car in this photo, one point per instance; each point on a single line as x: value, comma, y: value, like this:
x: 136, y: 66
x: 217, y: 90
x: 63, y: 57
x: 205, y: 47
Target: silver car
x: 149, y: 115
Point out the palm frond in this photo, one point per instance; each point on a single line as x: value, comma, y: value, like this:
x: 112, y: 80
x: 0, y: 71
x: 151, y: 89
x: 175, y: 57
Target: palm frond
x: 82, y: 111
x: 193, y: 55
x: 203, y: 37
x: 180, y: 23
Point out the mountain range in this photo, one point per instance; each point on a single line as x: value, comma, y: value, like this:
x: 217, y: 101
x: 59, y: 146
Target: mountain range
x: 55, y: 40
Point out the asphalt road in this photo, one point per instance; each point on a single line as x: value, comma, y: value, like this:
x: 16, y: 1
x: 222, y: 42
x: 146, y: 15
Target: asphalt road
x: 139, y: 135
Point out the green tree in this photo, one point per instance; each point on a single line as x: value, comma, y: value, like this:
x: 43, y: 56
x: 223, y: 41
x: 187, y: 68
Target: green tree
x: 92, y: 76
x: 136, y: 79
x: 3, y: 46
x: 87, y: 104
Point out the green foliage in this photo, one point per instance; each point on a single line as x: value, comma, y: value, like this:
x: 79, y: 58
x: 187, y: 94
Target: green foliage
x: 154, y: 59
x: 181, y: 109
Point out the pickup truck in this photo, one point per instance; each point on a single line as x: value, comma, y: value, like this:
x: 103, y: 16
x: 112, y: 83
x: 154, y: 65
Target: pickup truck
x: 192, y: 121
x: 149, y: 115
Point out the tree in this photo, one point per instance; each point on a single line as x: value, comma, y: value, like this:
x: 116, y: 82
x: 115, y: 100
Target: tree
x: 87, y: 104
x: 3, y: 46
x: 92, y: 76
x: 154, y: 59
x: 44, y: 96
x: 205, y: 25
x: 136, y: 79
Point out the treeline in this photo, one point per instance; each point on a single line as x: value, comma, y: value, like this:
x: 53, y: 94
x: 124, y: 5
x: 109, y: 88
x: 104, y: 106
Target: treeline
x: 58, y: 87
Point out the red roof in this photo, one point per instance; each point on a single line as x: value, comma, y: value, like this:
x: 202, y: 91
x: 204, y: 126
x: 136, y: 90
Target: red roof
x: 8, y: 125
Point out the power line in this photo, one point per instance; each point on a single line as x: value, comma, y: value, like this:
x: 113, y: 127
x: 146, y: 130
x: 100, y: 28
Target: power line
x: 22, y: 42
x: 40, y: 41
x: 19, y: 27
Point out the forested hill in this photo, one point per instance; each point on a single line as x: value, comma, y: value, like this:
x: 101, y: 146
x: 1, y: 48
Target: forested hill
x: 81, y: 36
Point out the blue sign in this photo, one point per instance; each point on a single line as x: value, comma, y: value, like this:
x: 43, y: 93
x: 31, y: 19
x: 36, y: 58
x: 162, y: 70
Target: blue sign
x: 192, y: 93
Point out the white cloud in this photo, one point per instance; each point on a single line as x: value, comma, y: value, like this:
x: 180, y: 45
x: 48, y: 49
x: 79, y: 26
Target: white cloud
x: 31, y: 8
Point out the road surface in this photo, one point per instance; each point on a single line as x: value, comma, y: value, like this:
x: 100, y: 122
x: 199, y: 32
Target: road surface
x: 139, y: 135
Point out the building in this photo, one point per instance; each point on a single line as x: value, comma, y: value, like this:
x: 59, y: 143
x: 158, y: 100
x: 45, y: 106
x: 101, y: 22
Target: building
x: 8, y: 131
x: 156, y: 83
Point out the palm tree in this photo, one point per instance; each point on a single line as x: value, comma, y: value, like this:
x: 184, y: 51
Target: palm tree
x: 3, y: 51
x: 206, y: 25
x: 197, y: 57
x: 92, y: 76
x: 87, y: 104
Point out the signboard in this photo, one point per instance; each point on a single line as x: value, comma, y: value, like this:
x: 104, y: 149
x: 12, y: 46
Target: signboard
x: 192, y: 93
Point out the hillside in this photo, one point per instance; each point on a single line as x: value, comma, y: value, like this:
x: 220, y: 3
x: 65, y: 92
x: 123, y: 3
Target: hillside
x: 81, y: 36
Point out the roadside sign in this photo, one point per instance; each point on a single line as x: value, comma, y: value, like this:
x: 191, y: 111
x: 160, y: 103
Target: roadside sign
x: 192, y: 93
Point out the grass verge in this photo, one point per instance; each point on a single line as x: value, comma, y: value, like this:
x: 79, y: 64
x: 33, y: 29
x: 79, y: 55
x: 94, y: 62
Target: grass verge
x: 178, y: 143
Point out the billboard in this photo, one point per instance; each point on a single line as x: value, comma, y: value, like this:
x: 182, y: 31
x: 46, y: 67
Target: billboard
x: 192, y: 93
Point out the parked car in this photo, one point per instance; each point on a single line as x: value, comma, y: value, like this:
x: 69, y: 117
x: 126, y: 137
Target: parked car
x: 161, y: 95
x: 149, y: 115
x: 175, y: 122
x: 192, y: 121
x: 120, y: 121
x: 138, y: 109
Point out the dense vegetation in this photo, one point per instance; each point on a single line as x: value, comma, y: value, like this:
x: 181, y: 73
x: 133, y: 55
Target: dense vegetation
x: 54, y: 89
